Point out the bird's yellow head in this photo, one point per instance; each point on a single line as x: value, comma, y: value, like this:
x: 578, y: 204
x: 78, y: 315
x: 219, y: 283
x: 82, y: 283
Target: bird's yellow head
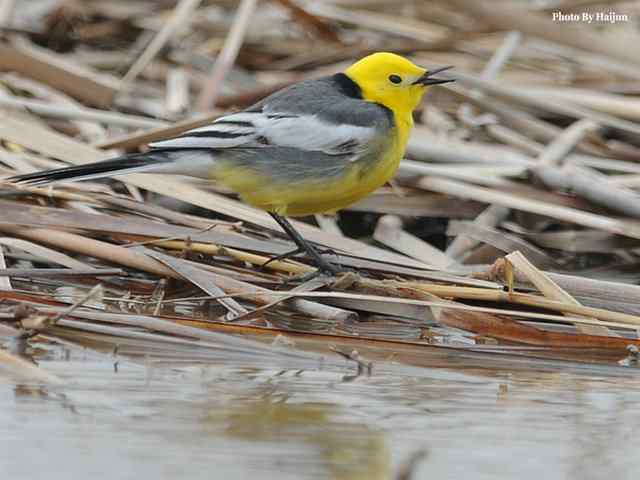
x: 392, y: 81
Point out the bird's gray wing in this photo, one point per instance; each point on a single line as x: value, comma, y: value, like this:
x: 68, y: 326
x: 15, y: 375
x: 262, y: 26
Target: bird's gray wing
x: 309, y: 116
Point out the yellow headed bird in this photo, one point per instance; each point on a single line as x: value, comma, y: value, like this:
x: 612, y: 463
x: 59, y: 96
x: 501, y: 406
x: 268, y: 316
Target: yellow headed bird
x: 314, y: 147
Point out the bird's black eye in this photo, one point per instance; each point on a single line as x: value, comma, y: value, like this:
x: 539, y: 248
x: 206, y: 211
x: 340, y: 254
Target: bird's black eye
x: 395, y: 79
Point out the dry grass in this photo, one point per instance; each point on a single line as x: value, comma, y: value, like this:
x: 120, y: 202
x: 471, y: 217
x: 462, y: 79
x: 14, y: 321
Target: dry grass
x: 513, y: 221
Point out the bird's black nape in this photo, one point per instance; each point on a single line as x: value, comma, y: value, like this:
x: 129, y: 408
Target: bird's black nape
x: 347, y: 86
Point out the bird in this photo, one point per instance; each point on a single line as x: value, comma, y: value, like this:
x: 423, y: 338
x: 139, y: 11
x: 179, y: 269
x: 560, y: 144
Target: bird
x: 315, y: 146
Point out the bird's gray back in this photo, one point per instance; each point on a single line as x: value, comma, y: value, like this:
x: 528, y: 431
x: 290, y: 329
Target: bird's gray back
x: 335, y: 99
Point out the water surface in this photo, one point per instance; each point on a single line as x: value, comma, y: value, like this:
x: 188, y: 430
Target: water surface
x: 155, y: 415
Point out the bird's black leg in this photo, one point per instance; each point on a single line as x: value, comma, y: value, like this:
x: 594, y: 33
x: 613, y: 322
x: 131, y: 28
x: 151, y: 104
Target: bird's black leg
x: 305, y: 246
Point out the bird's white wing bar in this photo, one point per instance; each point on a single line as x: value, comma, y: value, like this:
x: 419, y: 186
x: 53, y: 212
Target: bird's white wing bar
x: 225, y: 132
x: 226, y: 127
x: 306, y: 132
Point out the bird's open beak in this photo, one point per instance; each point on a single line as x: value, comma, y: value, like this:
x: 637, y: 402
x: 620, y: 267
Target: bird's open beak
x: 427, y: 78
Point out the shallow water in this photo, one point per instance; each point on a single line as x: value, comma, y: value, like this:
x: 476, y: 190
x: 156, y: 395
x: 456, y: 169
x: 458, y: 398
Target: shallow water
x: 237, y: 419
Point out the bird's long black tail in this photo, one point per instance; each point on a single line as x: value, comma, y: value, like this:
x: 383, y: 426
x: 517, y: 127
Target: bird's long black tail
x: 152, y: 161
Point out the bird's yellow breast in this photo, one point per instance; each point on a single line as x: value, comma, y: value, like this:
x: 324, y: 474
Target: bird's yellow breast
x: 318, y: 194
x: 328, y: 197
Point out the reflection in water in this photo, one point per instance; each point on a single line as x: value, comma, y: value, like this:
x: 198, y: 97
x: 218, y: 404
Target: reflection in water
x: 345, y: 450
x: 233, y: 420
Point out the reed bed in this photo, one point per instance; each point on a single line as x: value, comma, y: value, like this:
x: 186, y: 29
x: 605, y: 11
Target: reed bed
x: 511, y: 227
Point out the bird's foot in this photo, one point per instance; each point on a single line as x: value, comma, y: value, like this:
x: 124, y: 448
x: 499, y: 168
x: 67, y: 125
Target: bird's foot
x: 327, y: 271
x: 290, y: 255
